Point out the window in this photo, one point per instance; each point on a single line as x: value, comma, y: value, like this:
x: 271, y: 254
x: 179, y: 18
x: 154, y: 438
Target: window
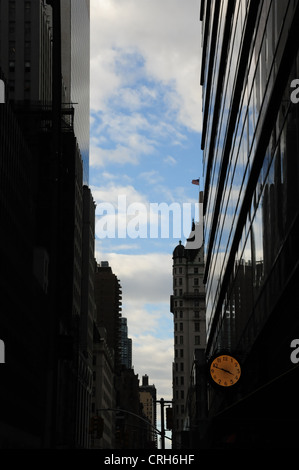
x: 27, y: 85
x: 196, y: 326
x: 27, y: 29
x: 27, y: 7
x: 181, y: 327
x: 27, y: 49
x: 12, y: 27
x: 197, y: 339
x: 12, y: 9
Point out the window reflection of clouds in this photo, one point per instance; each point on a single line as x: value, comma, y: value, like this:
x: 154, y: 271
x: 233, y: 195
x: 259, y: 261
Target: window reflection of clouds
x: 261, y: 75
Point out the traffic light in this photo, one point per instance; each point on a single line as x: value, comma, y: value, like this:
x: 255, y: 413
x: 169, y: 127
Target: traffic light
x: 96, y: 425
x: 169, y: 423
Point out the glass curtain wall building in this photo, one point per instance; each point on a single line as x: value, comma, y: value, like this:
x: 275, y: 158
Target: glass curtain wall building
x: 250, y: 146
x: 75, y: 30
x: 26, y: 59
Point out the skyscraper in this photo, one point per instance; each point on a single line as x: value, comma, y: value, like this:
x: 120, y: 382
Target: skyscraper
x: 251, y: 207
x: 49, y: 343
x: 26, y: 59
x: 126, y: 345
x: 75, y: 31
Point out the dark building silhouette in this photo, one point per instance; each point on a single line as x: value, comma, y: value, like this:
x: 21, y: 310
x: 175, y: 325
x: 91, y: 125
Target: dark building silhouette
x: 131, y: 422
x: 108, y: 295
x: 47, y: 232
x: 24, y: 311
x: 148, y: 399
x: 126, y: 345
x: 251, y: 208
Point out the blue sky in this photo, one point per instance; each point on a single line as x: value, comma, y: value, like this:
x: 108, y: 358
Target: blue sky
x: 145, y: 147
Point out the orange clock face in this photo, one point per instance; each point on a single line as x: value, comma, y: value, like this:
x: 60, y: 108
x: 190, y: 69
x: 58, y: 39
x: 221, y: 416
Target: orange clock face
x: 225, y: 370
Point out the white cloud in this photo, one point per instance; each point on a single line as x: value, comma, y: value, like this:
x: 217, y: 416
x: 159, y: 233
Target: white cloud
x: 145, y: 278
x: 170, y: 160
x: 167, y: 37
x: 145, y: 69
x: 150, y: 354
x: 146, y: 287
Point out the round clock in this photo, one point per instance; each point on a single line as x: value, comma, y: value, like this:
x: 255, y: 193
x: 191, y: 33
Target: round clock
x: 225, y: 370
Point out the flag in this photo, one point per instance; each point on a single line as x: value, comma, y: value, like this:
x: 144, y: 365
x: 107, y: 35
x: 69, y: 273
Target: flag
x: 195, y: 182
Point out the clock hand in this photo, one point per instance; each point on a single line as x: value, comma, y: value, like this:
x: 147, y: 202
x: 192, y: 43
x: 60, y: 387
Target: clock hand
x: 224, y: 370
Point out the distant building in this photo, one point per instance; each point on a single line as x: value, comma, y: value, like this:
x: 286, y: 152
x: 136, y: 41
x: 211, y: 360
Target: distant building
x: 108, y: 295
x: 188, y: 308
x: 148, y: 397
x: 126, y: 345
x: 103, y: 402
x: 131, y: 423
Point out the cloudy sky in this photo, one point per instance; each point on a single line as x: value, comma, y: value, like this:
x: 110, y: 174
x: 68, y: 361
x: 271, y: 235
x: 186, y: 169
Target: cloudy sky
x: 145, y: 151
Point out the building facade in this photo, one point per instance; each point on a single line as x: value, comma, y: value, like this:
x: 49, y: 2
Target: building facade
x: 103, y: 403
x: 251, y: 208
x: 126, y: 345
x: 40, y: 141
x: 148, y: 399
x: 75, y: 37
x: 108, y: 295
x: 26, y: 58
x: 188, y: 309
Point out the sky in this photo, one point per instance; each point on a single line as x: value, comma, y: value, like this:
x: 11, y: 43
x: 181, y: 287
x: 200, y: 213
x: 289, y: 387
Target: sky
x: 144, y: 153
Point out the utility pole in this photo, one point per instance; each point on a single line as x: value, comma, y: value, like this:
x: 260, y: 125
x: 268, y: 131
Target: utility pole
x: 162, y: 402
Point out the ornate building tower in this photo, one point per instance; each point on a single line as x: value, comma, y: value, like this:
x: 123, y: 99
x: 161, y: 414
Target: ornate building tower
x: 188, y: 308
